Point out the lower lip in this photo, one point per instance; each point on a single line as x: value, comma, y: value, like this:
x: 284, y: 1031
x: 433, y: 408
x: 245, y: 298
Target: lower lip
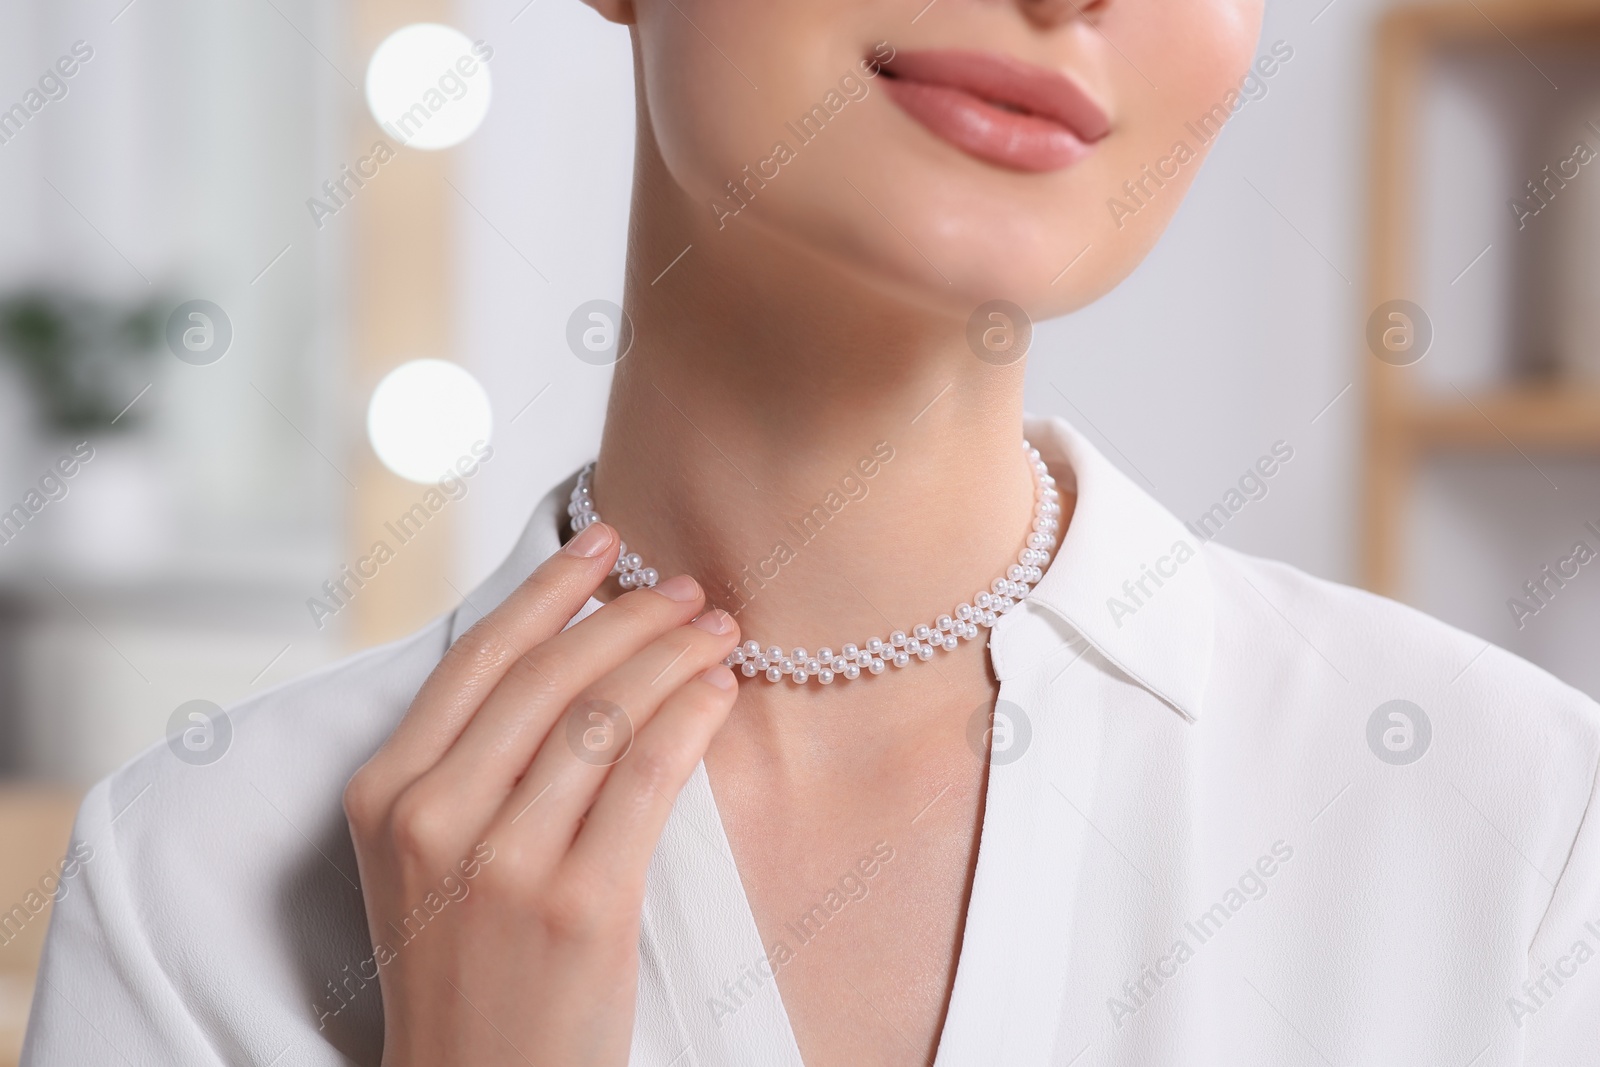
x: 992, y: 134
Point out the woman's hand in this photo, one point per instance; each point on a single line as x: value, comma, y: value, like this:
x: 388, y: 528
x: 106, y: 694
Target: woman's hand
x: 504, y: 830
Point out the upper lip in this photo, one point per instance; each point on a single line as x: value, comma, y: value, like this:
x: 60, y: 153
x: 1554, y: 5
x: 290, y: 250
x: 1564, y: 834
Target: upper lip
x: 1009, y: 82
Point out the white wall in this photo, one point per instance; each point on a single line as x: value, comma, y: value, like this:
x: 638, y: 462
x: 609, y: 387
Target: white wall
x: 547, y: 178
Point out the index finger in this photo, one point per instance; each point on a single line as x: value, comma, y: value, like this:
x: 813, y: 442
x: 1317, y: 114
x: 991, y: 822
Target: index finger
x: 536, y: 611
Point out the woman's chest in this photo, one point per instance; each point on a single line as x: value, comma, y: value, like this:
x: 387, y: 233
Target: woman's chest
x: 859, y: 897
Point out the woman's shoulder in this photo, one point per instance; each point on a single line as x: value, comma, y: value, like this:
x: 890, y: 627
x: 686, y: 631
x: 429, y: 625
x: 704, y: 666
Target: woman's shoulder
x: 1317, y: 666
x: 300, y: 738
x: 267, y: 786
x: 1362, y: 639
x: 216, y: 890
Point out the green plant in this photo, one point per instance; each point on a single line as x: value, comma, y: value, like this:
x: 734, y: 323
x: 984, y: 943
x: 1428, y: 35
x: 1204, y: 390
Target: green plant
x: 85, y: 358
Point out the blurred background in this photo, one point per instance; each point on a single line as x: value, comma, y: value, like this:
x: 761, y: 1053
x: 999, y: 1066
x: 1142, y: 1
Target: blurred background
x: 225, y: 226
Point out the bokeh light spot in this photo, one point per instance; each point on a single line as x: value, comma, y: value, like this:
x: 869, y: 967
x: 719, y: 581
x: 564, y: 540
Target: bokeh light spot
x: 424, y: 416
x: 428, y: 85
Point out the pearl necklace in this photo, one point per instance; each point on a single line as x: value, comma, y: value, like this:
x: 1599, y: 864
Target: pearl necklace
x: 944, y: 633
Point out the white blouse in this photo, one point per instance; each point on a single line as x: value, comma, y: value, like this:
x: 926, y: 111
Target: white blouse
x: 1235, y: 815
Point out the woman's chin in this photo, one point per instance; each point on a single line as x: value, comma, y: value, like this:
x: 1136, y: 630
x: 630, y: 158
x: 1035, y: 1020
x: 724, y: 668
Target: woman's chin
x: 949, y: 266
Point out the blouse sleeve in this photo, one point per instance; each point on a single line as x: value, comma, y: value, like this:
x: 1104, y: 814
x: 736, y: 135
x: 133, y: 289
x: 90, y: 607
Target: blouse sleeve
x: 102, y: 997
x: 1556, y: 1008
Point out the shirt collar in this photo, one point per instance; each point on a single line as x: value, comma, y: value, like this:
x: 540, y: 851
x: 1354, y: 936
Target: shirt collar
x: 1128, y: 576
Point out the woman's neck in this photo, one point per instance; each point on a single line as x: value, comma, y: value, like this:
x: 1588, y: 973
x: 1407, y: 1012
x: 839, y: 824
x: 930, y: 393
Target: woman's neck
x: 829, y: 463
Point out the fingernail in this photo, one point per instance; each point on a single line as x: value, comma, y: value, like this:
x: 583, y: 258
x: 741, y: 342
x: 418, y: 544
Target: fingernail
x: 681, y: 588
x: 720, y: 676
x: 593, y: 540
x: 715, y: 621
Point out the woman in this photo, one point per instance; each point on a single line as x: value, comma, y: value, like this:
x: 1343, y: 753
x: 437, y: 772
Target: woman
x: 1200, y: 828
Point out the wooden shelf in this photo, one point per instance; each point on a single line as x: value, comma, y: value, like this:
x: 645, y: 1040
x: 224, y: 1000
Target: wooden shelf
x: 1547, y: 418
x: 36, y: 825
x: 1404, y: 424
x: 1458, y: 22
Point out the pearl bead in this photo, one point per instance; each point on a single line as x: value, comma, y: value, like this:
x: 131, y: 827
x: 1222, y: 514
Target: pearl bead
x: 799, y: 655
x: 898, y: 639
x: 800, y: 675
x: 875, y: 645
x: 751, y: 648
x: 850, y: 651
x: 901, y: 659
x: 925, y: 652
x: 813, y: 665
x: 825, y: 676
x: 945, y: 623
x: 875, y: 666
x: 786, y: 665
x: 824, y: 653
x: 748, y: 669
x: 921, y: 632
x: 950, y: 643
x: 774, y: 653
x: 773, y: 674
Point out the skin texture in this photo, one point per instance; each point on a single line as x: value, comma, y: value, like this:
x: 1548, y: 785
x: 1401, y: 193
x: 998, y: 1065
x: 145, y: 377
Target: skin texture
x: 825, y: 320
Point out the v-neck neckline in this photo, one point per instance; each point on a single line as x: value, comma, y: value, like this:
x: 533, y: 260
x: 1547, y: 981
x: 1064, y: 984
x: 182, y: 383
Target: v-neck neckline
x: 699, y: 938
x: 700, y: 929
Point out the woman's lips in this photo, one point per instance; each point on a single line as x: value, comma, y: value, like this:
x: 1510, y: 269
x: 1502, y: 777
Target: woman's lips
x: 998, y: 109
